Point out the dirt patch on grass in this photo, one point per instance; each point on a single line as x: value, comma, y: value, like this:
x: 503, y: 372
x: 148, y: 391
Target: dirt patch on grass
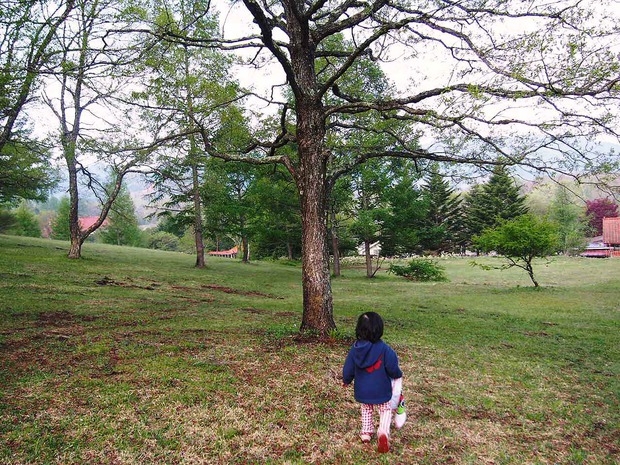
x: 106, y: 281
x: 230, y: 290
x: 62, y: 318
x: 56, y: 318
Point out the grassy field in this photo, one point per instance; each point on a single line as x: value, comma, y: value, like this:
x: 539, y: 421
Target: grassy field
x: 132, y: 356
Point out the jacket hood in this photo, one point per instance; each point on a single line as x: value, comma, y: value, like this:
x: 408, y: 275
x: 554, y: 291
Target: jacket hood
x: 366, y: 353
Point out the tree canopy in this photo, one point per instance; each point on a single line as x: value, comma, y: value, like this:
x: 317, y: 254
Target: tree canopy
x: 520, y: 241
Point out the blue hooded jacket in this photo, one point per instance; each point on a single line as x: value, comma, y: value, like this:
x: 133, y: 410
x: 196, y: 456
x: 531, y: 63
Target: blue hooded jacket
x: 373, y: 366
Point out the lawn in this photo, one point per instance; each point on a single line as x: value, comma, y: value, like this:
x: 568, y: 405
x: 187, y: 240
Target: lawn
x: 132, y: 356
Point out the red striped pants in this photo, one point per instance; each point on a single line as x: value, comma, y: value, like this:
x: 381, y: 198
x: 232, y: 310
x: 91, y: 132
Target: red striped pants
x: 385, y: 417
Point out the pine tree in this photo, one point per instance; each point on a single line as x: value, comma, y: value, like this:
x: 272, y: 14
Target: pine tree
x: 443, y: 219
x: 26, y: 222
x: 123, y: 223
x: 60, y: 224
x: 570, y: 220
x: 404, y: 218
x: 490, y: 204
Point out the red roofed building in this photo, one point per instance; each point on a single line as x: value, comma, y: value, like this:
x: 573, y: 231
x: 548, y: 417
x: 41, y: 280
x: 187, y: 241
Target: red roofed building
x: 87, y: 221
x: 611, y: 234
x: 230, y: 253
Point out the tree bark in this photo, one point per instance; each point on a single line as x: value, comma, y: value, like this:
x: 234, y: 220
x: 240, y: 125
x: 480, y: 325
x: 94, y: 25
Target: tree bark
x: 335, y: 243
x: 75, y: 232
x: 193, y: 155
x: 530, y: 271
x: 369, y: 273
x: 245, y: 248
x: 200, y: 248
x: 289, y: 249
x: 317, y: 293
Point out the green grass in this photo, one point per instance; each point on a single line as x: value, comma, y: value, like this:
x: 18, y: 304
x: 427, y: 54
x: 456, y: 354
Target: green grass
x: 132, y: 356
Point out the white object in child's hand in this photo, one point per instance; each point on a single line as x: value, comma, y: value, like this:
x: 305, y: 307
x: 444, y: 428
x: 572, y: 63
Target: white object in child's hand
x: 398, y: 403
x: 397, y: 390
x: 401, y: 414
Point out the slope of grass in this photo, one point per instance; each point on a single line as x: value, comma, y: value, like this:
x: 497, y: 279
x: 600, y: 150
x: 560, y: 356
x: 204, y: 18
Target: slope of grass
x: 132, y: 356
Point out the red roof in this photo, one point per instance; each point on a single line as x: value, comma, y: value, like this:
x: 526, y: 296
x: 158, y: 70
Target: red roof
x: 87, y: 221
x: 232, y: 251
x: 611, y: 230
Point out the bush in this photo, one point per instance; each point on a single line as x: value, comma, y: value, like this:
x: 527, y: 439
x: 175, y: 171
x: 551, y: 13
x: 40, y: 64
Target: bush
x: 162, y: 241
x: 7, y: 221
x: 420, y: 270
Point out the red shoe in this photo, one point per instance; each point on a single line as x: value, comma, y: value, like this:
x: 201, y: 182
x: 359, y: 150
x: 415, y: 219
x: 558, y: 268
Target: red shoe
x: 384, y: 444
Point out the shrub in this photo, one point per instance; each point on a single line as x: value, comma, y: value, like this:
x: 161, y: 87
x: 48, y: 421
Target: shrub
x: 420, y: 270
x: 7, y: 221
x: 162, y: 241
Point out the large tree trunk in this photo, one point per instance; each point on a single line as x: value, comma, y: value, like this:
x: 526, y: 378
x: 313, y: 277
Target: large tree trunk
x: 200, y: 248
x: 75, y: 250
x: 311, y: 176
x: 317, y: 293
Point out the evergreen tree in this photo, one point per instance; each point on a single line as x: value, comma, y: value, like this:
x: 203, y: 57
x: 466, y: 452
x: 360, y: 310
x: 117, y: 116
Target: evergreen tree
x: 570, y: 220
x: 443, y: 218
x: 487, y: 205
x: 276, y: 221
x: 475, y: 219
x: 370, y: 182
x: 227, y: 205
x: 60, y: 224
x: 122, y: 228
x: 7, y: 220
x: 405, y: 214
x: 188, y: 90
x: 340, y: 214
x: 25, y: 171
x: 26, y: 222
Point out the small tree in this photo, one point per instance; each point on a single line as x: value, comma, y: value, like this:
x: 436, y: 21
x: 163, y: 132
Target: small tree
x: 520, y: 241
x: 7, y: 221
x: 27, y: 224
x: 162, y: 240
x: 123, y: 228
x: 570, y: 221
x: 60, y: 224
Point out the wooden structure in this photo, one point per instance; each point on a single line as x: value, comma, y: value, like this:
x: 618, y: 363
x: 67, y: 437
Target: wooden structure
x: 230, y: 253
x: 607, y: 245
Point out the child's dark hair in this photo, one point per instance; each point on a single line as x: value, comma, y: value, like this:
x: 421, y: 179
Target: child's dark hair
x: 369, y: 327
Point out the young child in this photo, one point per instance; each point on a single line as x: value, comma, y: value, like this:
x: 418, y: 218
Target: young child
x: 373, y: 365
